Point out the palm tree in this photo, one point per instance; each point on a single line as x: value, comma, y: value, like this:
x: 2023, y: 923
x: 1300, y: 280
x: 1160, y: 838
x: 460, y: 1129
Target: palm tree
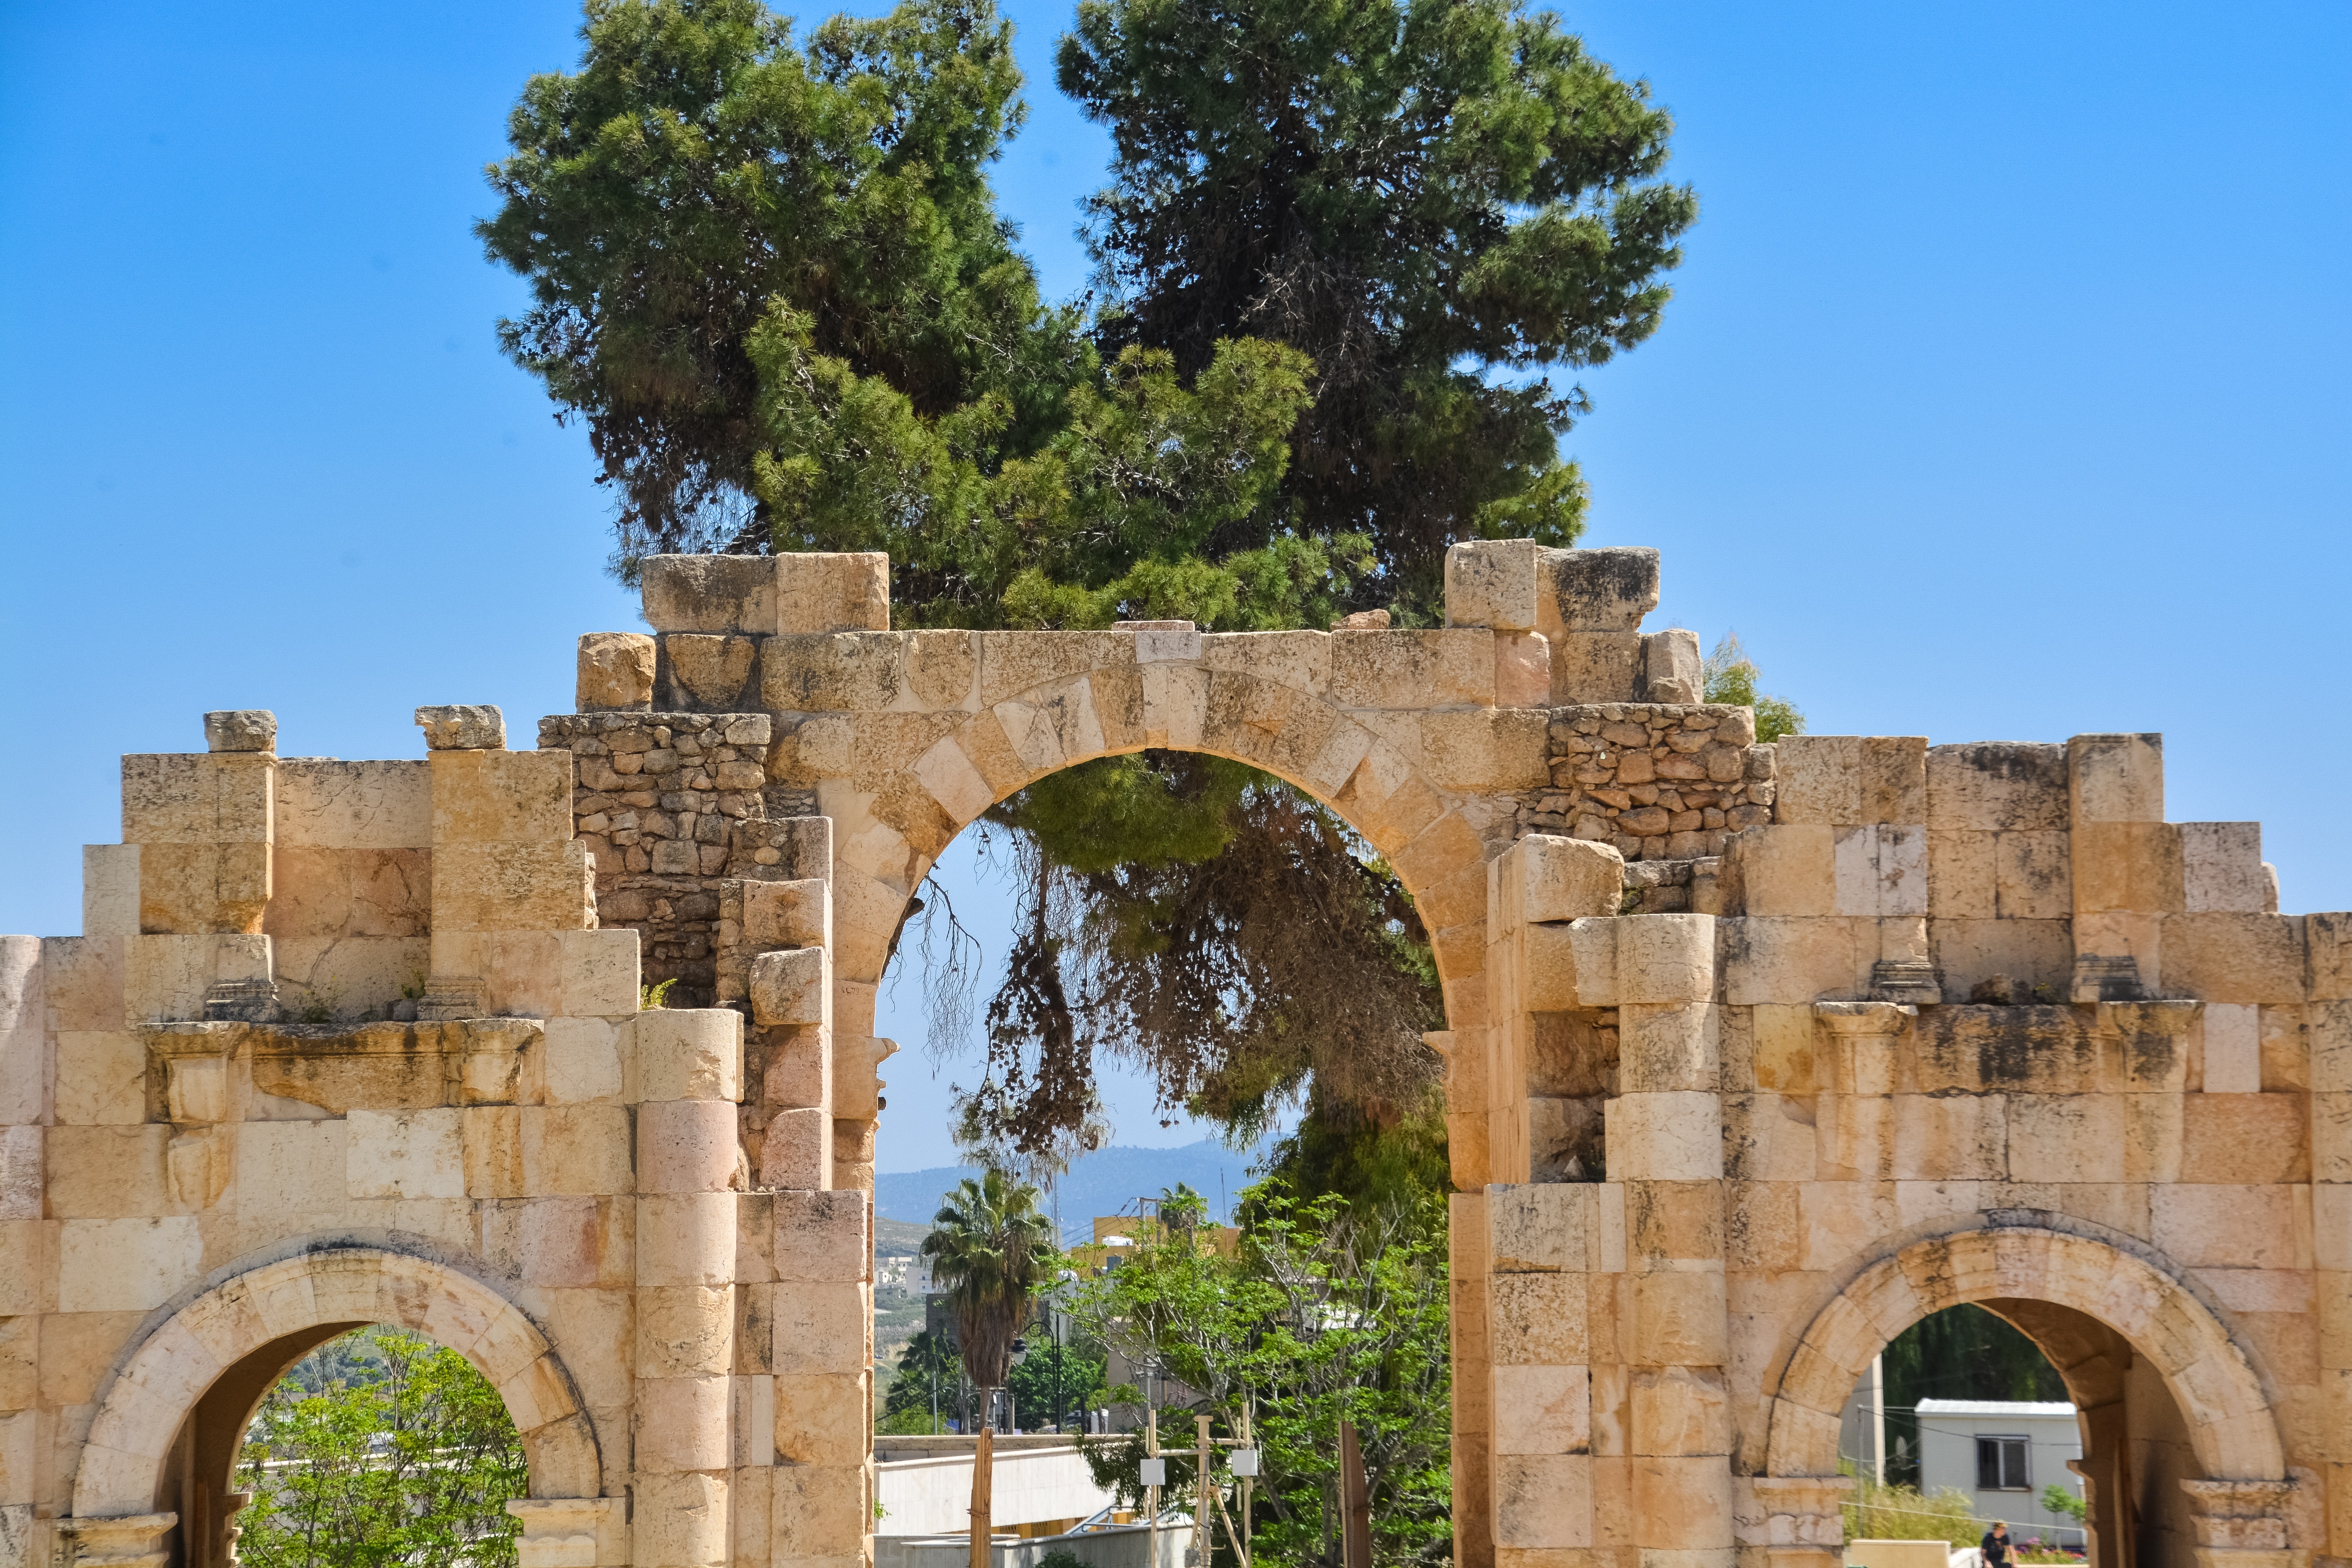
x: 988, y: 1249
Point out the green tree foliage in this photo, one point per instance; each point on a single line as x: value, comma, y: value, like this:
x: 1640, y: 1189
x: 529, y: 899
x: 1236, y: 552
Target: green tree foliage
x: 700, y: 166
x: 381, y: 1449
x: 927, y: 1370
x: 1418, y: 194
x: 1324, y: 1314
x: 1080, y: 1362
x: 989, y: 1248
x: 1219, y: 929
x: 1732, y: 676
x: 1343, y: 246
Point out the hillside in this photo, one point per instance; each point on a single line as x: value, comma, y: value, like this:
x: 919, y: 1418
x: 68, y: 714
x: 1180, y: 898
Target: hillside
x: 1106, y: 1182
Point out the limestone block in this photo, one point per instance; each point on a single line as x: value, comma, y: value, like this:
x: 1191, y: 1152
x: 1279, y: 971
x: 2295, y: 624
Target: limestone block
x: 193, y: 888
x: 1669, y: 1222
x: 1670, y: 1046
x: 792, y: 987
x: 109, y: 890
x: 821, y: 1416
x: 707, y: 673
x: 1596, y: 590
x: 578, y: 1243
x: 1684, y: 1506
x: 463, y: 727
x: 1547, y: 969
x: 1960, y: 874
x: 600, y: 977
x: 2217, y: 1226
x: 1671, y: 668
x: 339, y: 894
x: 1665, y: 958
x: 2329, y: 956
x: 688, y: 1053
x: 2221, y: 869
x: 2033, y: 876
x: 165, y: 977
x: 1665, y: 1137
x: 680, y: 1520
x: 2233, y: 1049
x: 1542, y: 1502
x: 197, y: 798
x: 821, y: 1237
x: 1545, y: 877
x: 1595, y: 667
x: 1782, y: 870
x: 2243, y: 1140
x: 292, y: 1178
x: 798, y: 1073
x: 814, y: 1512
x: 404, y: 1154
x: 1491, y: 582
x: 837, y: 672
x: 616, y: 673
x: 28, y: 1261
x: 241, y: 730
x: 101, y: 1078
x: 1542, y: 1409
x: 577, y: 1149
x: 1538, y: 1227
x: 685, y: 1238
x: 125, y: 1264
x: 1679, y: 1411
x: 1997, y: 786
x: 501, y: 798
x: 686, y: 1145
x: 682, y: 1424
x: 2116, y: 778
x: 710, y: 592
x: 1894, y: 778
x: 2133, y: 866
x: 1536, y: 1320
x: 512, y: 887
x: 2233, y: 958
x: 2030, y: 954
x: 1416, y: 670
x: 1819, y: 779
x: 581, y: 1061
x: 23, y: 1181
x: 797, y: 913
x: 1679, y: 1319
x: 1882, y: 870
x: 1522, y: 669
x: 822, y: 1328
x: 832, y: 592
x: 797, y: 1151
x: 327, y: 804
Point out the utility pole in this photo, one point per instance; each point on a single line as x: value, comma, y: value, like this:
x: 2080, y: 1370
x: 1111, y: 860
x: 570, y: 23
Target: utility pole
x: 1878, y: 1417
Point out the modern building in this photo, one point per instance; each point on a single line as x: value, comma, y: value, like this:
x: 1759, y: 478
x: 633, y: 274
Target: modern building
x: 2002, y: 1453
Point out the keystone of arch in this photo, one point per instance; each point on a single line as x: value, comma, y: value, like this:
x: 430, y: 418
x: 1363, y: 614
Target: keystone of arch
x: 2231, y: 1426
x: 141, y: 1414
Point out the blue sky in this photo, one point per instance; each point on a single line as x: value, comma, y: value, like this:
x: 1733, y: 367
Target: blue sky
x: 1997, y: 400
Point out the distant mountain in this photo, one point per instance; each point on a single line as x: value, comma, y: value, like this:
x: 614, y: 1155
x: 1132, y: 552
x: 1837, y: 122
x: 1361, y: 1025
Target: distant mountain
x: 1106, y: 1181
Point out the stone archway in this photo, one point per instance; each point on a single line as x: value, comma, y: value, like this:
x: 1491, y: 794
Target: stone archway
x: 2095, y: 1307
x: 162, y: 1445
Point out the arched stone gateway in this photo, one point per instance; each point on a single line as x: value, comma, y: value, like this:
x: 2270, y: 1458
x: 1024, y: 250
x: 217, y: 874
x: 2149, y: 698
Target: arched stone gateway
x: 1753, y: 1053
x: 162, y: 1443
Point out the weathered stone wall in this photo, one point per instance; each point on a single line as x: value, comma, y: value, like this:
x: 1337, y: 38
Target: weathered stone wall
x: 1755, y: 1055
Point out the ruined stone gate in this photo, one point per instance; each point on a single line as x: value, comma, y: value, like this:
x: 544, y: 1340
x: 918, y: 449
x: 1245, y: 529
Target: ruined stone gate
x: 1755, y: 1054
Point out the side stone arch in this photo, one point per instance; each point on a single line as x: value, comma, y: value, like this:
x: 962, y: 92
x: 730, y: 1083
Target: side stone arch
x: 144, y: 1409
x: 2231, y: 1429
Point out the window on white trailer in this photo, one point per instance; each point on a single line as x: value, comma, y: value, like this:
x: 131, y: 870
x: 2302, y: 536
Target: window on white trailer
x: 2001, y: 1465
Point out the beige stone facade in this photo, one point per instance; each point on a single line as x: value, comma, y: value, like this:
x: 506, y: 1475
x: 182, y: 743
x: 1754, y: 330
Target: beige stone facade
x: 1756, y: 1054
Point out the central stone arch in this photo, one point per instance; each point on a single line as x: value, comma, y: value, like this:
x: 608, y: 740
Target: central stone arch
x: 187, y: 1389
